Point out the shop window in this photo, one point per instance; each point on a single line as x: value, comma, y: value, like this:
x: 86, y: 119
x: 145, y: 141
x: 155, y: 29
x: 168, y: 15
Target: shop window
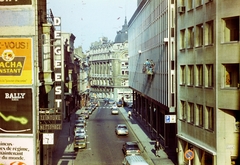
x: 190, y: 75
x: 190, y: 37
x: 182, y: 75
x: 208, y: 33
x: 199, y: 78
x: 199, y: 35
x: 199, y: 115
x: 209, y: 118
x: 208, y: 159
x: 231, y: 29
x: 231, y: 75
x: 209, y: 75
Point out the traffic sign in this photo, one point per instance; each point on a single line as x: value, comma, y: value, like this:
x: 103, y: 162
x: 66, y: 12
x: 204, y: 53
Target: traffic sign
x: 189, y: 154
x: 170, y: 118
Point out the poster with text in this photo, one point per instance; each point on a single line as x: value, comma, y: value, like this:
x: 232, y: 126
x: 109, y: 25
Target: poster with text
x: 16, y: 111
x: 15, y: 151
x: 16, y: 63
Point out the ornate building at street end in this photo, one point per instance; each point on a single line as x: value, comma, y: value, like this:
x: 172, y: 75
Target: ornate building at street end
x: 109, y: 67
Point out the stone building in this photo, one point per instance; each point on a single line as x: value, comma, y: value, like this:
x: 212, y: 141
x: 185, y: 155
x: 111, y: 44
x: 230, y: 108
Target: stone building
x: 109, y: 67
x: 208, y: 55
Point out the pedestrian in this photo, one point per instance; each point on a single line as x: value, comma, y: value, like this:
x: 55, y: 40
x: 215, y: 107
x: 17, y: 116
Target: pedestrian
x: 157, y: 148
x: 129, y: 114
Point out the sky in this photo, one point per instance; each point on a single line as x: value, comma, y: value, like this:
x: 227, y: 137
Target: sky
x: 88, y: 20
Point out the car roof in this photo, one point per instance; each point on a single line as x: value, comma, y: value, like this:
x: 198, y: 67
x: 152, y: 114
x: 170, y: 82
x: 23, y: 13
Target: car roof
x: 121, y: 125
x: 136, y: 160
x: 131, y: 143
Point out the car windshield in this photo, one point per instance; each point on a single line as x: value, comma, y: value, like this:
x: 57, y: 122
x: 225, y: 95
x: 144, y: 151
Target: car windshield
x: 80, y: 138
x: 132, y: 147
x: 80, y: 131
x: 122, y: 127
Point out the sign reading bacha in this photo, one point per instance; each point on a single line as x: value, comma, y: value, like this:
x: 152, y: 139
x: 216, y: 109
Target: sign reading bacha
x: 16, y: 61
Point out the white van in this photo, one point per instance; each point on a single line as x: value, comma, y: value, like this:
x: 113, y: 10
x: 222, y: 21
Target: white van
x: 134, y: 160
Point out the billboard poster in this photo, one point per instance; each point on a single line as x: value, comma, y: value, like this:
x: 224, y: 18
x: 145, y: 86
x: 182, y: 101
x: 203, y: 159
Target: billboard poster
x: 16, y: 63
x: 15, y: 2
x: 16, y: 111
x: 16, y: 150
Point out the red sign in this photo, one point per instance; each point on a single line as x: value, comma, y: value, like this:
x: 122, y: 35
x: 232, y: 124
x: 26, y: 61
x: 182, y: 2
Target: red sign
x: 189, y: 154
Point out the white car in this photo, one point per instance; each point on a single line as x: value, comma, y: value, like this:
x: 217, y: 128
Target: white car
x: 121, y: 129
x: 115, y: 111
x: 114, y: 106
x: 80, y: 132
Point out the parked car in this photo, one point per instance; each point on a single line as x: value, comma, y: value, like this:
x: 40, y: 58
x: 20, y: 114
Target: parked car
x: 85, y: 114
x: 131, y: 148
x: 80, y: 142
x: 121, y: 129
x: 80, y: 121
x: 80, y: 132
x: 79, y: 126
x: 114, y: 111
x: 119, y: 103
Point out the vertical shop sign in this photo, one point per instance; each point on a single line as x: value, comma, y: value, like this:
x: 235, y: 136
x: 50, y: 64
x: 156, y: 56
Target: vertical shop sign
x: 16, y: 61
x: 58, y: 63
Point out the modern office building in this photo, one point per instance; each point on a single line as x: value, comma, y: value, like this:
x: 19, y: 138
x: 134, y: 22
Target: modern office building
x: 109, y: 67
x: 208, y: 57
x: 151, y: 37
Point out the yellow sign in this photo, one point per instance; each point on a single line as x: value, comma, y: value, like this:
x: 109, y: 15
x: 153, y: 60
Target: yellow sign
x: 16, y: 61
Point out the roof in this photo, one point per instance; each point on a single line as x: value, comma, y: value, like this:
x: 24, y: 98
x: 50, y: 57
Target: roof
x: 122, y: 35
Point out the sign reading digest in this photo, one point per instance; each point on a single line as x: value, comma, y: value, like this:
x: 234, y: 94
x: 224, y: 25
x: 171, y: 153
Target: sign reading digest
x: 16, y: 61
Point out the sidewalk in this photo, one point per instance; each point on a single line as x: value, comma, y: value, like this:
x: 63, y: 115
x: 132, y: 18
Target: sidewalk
x: 146, y: 142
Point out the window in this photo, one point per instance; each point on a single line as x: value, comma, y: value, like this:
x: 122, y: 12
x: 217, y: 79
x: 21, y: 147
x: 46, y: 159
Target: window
x: 183, y: 110
x: 199, y: 115
x: 199, y: 3
x: 190, y: 39
x: 199, y: 35
x: 231, y: 75
x: 190, y: 4
x: 209, y: 118
x: 209, y: 75
x: 182, y: 39
x: 199, y: 79
x: 190, y: 112
x: 231, y: 29
x: 190, y: 75
x: 208, y: 33
x: 182, y: 74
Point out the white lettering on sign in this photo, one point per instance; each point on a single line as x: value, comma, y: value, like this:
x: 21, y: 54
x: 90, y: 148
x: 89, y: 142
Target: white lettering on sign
x: 14, y: 96
x: 58, y: 64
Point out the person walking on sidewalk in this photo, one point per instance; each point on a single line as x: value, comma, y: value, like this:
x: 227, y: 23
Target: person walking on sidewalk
x: 157, y: 148
x: 129, y: 114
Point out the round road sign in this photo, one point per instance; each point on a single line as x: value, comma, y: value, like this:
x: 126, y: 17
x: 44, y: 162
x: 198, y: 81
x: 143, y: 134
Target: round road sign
x: 189, y: 154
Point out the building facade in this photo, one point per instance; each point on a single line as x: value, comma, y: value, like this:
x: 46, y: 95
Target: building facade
x: 151, y: 38
x: 208, y: 55
x: 109, y: 67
